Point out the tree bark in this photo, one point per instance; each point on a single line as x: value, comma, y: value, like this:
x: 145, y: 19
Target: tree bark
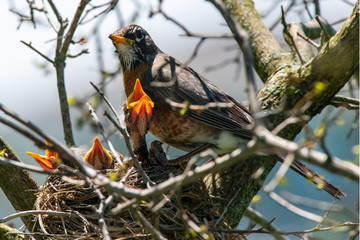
x: 5, y: 233
x: 17, y: 184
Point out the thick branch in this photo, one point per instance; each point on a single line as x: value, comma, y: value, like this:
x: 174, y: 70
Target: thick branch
x: 7, y: 232
x: 330, y: 69
x: 17, y: 184
x: 335, y: 63
x: 268, y: 55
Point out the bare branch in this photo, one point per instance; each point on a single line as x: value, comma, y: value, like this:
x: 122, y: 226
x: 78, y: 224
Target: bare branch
x: 102, y: 132
x: 293, y: 208
x: 37, y: 51
x: 65, y: 153
x: 256, y: 216
x: 124, y: 133
x: 73, y: 25
x: 84, y: 51
x: 155, y: 234
x: 346, y: 102
x: 296, y: 233
x: 32, y: 212
x: 242, y: 39
x: 33, y: 168
x: 160, y: 11
x: 336, y: 165
x: 289, y: 36
x: 109, y: 6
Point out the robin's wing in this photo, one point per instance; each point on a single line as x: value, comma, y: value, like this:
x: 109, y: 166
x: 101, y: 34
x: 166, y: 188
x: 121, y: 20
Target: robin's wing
x: 173, y: 82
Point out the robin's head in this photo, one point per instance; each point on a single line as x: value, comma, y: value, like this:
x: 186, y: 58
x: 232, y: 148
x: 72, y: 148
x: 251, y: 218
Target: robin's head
x: 134, y: 46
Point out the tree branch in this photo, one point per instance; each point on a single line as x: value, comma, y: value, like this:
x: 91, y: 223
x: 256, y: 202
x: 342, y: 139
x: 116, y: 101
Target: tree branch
x: 62, y: 48
x: 17, y: 184
x: 268, y: 55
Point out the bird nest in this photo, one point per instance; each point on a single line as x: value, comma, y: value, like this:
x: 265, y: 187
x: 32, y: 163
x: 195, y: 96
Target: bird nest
x: 190, y: 203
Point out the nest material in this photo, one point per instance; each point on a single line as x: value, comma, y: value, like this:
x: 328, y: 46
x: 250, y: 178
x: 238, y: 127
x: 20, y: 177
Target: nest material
x: 82, y: 202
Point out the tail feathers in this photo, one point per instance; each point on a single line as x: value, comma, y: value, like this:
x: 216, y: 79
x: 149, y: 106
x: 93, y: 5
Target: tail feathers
x: 310, y: 174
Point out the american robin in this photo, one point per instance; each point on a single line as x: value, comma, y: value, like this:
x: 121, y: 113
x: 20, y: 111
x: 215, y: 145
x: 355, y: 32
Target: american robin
x: 97, y: 156
x: 169, y: 82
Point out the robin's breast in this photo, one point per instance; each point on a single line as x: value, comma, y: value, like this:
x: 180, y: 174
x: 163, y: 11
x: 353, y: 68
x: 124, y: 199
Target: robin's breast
x: 180, y: 131
x: 130, y: 76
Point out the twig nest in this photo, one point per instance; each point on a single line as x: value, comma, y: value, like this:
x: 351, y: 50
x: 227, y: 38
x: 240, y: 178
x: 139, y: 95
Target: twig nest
x: 192, y: 201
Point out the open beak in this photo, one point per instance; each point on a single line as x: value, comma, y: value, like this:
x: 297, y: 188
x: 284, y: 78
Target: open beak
x: 50, y: 153
x: 139, y: 101
x: 117, y: 39
x: 98, y: 156
x: 49, y: 161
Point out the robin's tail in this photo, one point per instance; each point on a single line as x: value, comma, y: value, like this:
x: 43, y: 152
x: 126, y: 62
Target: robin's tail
x: 310, y: 174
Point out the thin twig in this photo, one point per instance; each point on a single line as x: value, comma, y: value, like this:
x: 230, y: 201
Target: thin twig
x: 336, y: 165
x: 167, y: 17
x: 155, y: 234
x: 292, y: 208
x: 124, y: 133
x: 280, y: 174
x: 323, y: 28
x: 243, y: 40
x: 37, y: 51
x: 131, y: 152
x: 102, y: 132
x: 316, y: 45
x: 255, y: 216
x: 64, y: 152
x: 84, y: 51
x: 32, y: 168
x: 289, y: 37
x: 104, y: 203
x: 34, y: 212
x: 111, y: 3
x: 296, y: 233
x: 101, y: 93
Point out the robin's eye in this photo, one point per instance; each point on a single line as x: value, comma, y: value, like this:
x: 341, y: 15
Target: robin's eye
x: 139, y: 36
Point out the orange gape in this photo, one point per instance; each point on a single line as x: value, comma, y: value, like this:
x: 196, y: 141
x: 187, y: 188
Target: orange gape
x: 49, y: 161
x: 138, y: 115
x: 139, y: 102
x: 98, y: 156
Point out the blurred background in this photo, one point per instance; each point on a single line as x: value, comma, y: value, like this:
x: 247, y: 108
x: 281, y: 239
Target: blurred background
x: 28, y: 86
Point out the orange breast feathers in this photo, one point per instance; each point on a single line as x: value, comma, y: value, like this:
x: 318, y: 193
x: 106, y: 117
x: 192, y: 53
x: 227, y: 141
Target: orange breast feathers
x: 130, y: 77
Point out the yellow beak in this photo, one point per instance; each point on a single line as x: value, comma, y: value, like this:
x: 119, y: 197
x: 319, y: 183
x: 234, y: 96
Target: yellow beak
x: 117, y: 39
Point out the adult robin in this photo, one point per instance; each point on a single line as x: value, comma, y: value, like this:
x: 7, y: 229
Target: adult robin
x: 221, y: 122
